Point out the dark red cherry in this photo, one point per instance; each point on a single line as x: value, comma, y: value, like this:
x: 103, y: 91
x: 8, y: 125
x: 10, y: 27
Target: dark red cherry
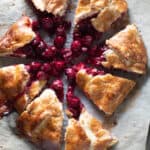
x: 47, y: 24
x: 41, y: 75
x: 35, y: 66
x: 59, y: 41
x: 46, y: 67
x: 87, y: 40
x: 35, y: 25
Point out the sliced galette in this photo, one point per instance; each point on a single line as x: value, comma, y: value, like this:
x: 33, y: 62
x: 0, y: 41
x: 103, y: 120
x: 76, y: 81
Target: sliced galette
x: 42, y: 121
x: 87, y: 133
x: 126, y: 51
x: 20, y: 40
x: 106, y: 91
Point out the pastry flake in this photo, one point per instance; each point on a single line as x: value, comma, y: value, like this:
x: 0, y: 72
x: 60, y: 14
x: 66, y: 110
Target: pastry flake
x: 19, y: 34
x: 87, y: 133
x: 42, y: 120
x: 126, y: 51
x: 107, y: 92
x: 56, y: 7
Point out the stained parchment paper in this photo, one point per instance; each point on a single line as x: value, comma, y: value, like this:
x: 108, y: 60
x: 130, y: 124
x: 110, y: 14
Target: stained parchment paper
x: 129, y: 123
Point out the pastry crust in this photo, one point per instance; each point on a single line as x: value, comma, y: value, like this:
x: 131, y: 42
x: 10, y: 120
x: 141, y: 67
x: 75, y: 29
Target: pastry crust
x: 13, y: 80
x: 83, y: 10
x: 42, y: 121
x: 56, y: 7
x: 28, y: 95
x: 107, y: 92
x: 87, y: 134
x: 75, y: 137
x: 108, y: 11
x: 100, y: 138
x: 19, y: 34
x: 127, y: 51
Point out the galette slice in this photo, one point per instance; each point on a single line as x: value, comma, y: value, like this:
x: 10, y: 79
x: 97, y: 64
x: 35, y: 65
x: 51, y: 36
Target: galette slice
x: 106, y: 91
x: 18, y: 35
x: 22, y: 41
x: 87, y: 133
x: 42, y: 121
x: 99, y: 14
x: 13, y: 81
x: 126, y: 51
x: 55, y: 7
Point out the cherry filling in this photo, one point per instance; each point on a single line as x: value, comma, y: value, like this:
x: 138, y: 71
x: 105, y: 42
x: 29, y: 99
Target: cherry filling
x: 74, y: 104
x: 38, y: 49
x: 72, y: 71
x: 84, y: 36
x: 96, y: 55
x: 58, y: 87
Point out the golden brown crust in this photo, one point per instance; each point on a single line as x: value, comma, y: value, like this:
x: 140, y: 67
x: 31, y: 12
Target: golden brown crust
x: 13, y: 80
x: 108, y: 12
x: 127, y: 51
x: 28, y: 95
x: 43, y: 119
x: 109, y: 15
x: 83, y: 10
x: 19, y: 34
x: 107, y: 92
x: 75, y: 137
x: 87, y: 133
x: 56, y: 7
x: 100, y: 137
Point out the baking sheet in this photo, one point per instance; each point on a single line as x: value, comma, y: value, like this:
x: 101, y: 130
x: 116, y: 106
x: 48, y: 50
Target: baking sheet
x: 129, y: 123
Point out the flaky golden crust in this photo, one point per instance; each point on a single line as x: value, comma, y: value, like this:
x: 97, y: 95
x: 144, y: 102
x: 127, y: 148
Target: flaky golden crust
x: 28, y: 95
x: 107, y: 92
x: 19, y: 34
x: 83, y: 10
x: 43, y: 119
x: 100, y: 138
x: 13, y: 80
x: 56, y: 7
x: 87, y: 133
x: 75, y: 137
x: 109, y: 15
x: 128, y: 51
x: 107, y: 12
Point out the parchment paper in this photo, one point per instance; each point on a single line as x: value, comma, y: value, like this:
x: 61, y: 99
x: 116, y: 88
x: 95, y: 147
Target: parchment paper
x: 133, y: 116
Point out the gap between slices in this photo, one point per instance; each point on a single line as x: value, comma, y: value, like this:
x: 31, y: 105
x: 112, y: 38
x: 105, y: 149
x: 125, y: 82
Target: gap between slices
x: 42, y: 121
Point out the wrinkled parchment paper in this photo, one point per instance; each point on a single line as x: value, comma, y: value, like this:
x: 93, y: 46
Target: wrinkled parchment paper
x: 130, y: 122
